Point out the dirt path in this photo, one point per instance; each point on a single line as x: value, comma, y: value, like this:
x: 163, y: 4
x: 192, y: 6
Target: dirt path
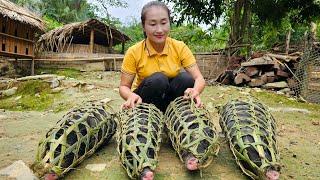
x: 298, y: 135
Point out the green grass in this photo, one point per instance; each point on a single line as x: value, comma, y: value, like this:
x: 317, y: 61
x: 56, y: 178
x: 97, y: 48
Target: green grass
x: 68, y: 72
x: 281, y: 100
x: 28, y: 100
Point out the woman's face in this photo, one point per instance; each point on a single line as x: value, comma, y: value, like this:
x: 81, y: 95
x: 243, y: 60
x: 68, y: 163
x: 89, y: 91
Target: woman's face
x: 157, y: 25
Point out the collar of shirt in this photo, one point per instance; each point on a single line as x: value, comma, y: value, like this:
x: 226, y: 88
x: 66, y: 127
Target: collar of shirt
x: 151, y: 51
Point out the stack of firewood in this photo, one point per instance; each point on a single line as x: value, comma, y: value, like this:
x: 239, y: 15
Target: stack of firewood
x: 269, y: 71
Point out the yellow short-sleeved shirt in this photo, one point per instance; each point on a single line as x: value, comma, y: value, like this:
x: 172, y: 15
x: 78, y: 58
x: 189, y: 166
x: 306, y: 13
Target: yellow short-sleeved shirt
x: 143, y: 60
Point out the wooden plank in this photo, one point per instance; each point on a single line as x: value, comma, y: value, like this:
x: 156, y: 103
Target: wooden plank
x: 14, y: 37
x: 283, y: 57
x: 81, y: 59
x: 265, y: 60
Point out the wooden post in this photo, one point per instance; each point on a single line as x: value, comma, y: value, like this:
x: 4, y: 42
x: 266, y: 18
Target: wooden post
x: 91, y: 40
x: 288, y: 37
x: 122, y: 50
x: 32, y: 67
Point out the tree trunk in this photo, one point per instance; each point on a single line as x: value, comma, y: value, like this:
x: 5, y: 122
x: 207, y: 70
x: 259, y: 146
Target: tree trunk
x: 239, y: 22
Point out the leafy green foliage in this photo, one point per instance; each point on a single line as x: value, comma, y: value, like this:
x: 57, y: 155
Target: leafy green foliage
x: 66, y: 11
x: 197, y: 39
x: 51, y: 23
x: 196, y: 11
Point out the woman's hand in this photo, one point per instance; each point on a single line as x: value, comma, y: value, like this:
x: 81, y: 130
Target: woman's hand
x: 131, y: 101
x: 192, y: 93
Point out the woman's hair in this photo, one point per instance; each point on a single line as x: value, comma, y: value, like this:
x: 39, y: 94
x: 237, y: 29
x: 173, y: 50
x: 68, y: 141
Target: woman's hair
x: 149, y: 5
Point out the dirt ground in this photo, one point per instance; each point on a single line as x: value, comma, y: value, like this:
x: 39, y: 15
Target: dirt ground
x: 298, y: 134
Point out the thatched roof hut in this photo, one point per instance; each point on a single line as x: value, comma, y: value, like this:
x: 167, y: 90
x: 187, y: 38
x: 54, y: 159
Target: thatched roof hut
x: 91, y: 32
x: 20, y: 14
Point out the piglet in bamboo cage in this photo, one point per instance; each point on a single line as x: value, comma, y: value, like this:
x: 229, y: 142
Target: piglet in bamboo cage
x: 251, y: 132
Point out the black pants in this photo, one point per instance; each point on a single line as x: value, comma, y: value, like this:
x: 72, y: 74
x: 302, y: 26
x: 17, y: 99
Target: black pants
x: 159, y: 90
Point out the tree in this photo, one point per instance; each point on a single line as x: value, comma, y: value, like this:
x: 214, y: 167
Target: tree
x: 102, y: 9
x: 239, y: 13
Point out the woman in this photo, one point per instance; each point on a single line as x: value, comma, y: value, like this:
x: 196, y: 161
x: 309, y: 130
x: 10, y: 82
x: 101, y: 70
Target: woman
x: 151, y: 70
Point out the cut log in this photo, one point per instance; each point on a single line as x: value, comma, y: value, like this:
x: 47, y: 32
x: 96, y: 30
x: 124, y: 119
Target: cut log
x: 269, y: 74
x: 256, y: 83
x: 285, y: 58
x: 264, y: 78
x: 276, y: 85
x: 270, y: 79
x: 251, y: 71
x: 282, y: 73
x: 265, y: 60
x: 241, y: 78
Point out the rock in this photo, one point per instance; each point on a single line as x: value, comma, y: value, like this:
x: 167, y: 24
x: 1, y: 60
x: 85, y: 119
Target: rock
x: 276, y: 85
x: 57, y: 90
x: 105, y: 100
x: 96, y: 167
x: 37, y: 77
x: 89, y: 87
x: 285, y: 90
x: 257, y: 89
x: 55, y: 83
x: 99, y: 76
x: 280, y: 92
x: 3, y: 117
x: 60, y: 78
x: 37, y: 95
x: 18, y: 170
x: 17, y: 98
x: 9, y: 92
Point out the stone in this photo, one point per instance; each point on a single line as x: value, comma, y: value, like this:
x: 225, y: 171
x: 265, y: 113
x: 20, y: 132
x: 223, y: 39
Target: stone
x: 19, y: 171
x: 89, y: 87
x: 38, y: 77
x: 57, y: 89
x: 96, y: 167
x: 9, y: 92
x: 276, y: 85
x: 18, y: 98
x: 105, y: 100
x: 55, y: 83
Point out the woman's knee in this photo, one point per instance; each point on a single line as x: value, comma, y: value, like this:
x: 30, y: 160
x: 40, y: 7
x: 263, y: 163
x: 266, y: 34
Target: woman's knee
x: 157, y: 81
x: 186, y: 79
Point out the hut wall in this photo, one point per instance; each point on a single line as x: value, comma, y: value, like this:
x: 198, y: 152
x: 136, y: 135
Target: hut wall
x: 16, y: 38
x: 80, y: 61
x: 84, y: 48
x: 211, y: 65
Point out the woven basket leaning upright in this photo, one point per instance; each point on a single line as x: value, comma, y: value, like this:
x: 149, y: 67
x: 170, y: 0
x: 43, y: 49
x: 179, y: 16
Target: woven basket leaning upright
x: 75, y: 137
